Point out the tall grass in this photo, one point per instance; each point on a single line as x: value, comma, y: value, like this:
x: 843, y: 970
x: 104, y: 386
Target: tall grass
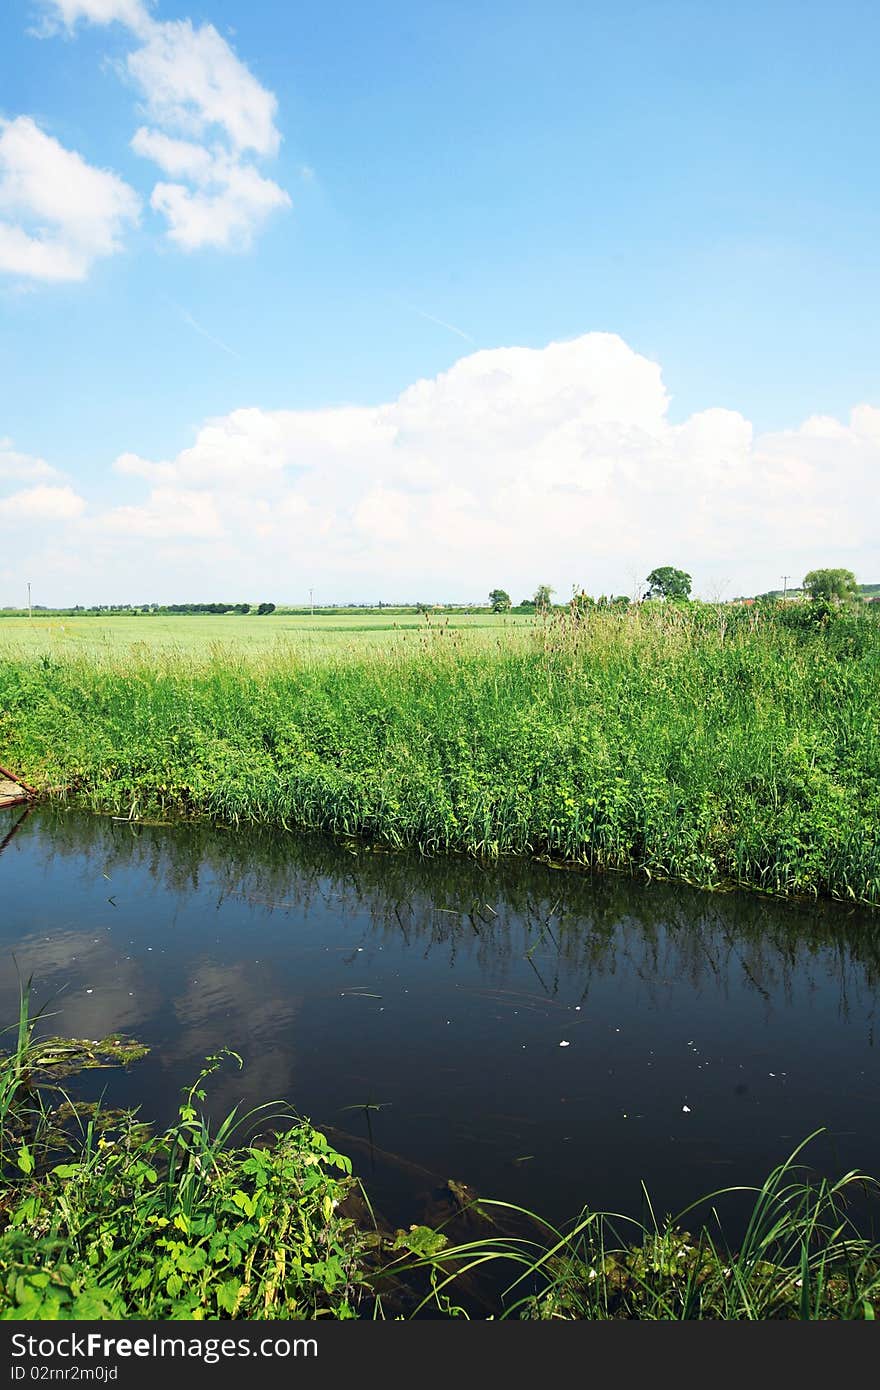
x: 710, y: 745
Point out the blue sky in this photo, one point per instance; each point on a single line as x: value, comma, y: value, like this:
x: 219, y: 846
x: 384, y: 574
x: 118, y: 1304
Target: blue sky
x: 441, y: 178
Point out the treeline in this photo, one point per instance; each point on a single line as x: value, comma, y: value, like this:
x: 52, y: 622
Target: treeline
x: 145, y: 610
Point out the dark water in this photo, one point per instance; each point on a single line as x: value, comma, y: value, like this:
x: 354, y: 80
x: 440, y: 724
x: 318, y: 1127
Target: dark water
x: 441, y: 992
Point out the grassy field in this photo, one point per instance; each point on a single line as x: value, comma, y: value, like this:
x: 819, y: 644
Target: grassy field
x: 326, y: 632
x: 715, y: 746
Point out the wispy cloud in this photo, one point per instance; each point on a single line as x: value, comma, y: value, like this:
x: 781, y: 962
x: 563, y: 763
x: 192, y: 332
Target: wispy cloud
x: 441, y: 323
x: 200, y: 328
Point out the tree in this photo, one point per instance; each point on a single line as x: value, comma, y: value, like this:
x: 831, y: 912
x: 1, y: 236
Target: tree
x: 669, y: 583
x: 265, y: 608
x: 499, y: 601
x: 831, y: 585
x: 541, y: 597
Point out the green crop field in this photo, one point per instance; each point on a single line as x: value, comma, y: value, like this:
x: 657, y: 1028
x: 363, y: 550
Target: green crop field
x: 200, y: 635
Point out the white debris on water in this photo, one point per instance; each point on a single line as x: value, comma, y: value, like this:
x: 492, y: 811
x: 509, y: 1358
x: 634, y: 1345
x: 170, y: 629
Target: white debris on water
x: 685, y: 1110
x: 565, y: 1044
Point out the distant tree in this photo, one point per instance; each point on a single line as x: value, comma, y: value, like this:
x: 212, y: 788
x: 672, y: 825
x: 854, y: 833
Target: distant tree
x: 499, y: 601
x: 527, y: 603
x: 541, y: 597
x: 242, y: 608
x: 669, y: 583
x: 831, y: 585
x: 265, y: 608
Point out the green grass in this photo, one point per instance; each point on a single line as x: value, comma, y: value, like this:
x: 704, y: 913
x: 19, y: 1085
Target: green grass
x: 103, y: 637
x: 714, y: 746
x: 102, y: 1218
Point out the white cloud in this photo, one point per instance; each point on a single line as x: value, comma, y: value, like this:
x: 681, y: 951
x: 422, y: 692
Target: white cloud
x: 132, y: 13
x: 18, y: 467
x: 193, y: 82
x: 210, y: 119
x: 558, y: 465
x: 230, y: 200
x: 58, y: 214
x: 42, y: 504
x: 168, y: 512
x: 133, y: 466
x: 182, y: 159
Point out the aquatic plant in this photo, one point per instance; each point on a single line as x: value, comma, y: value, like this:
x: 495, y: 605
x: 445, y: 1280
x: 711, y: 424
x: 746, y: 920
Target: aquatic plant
x: 802, y: 1256
x: 104, y: 1219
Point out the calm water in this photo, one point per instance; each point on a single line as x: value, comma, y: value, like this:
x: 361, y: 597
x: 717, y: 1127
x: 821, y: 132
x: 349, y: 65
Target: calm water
x: 443, y: 993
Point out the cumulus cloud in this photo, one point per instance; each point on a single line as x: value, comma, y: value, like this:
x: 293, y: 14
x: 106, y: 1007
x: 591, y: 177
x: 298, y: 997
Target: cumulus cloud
x: 210, y: 119
x: 42, y: 504
x: 18, y: 467
x: 168, y: 512
x: 58, y: 214
x: 557, y: 465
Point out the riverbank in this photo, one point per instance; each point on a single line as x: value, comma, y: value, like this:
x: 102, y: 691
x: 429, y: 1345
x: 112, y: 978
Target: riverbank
x: 709, y: 745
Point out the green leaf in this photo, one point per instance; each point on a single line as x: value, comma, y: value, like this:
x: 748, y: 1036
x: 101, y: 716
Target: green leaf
x: 421, y: 1240
x: 227, y: 1295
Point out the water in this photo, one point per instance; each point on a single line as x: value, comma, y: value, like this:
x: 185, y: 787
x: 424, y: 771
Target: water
x: 704, y: 1035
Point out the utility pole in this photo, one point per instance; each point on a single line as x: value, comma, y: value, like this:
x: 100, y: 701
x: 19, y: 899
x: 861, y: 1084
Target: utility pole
x: 785, y: 579
x: 312, y: 601
x: 30, y: 611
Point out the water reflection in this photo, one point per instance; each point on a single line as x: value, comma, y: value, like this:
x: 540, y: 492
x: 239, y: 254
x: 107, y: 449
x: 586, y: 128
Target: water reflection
x: 546, y: 1036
